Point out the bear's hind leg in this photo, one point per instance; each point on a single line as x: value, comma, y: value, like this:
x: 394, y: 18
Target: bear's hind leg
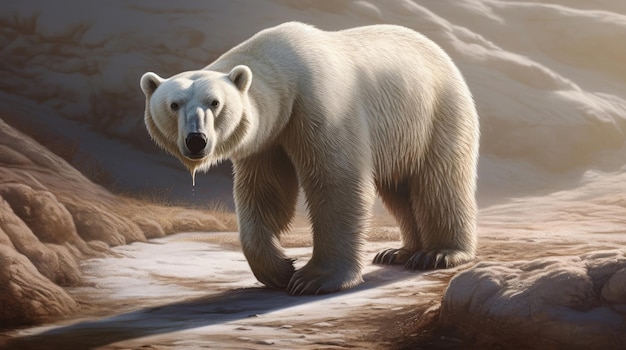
x: 397, y: 199
x: 266, y: 190
x: 445, y: 207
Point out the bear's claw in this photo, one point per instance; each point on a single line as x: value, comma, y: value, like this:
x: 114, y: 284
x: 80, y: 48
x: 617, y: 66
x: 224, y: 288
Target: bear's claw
x: 392, y: 257
x: 428, y: 260
x: 438, y: 259
x: 299, y: 287
x: 423, y: 259
x: 306, y: 283
x: 311, y: 280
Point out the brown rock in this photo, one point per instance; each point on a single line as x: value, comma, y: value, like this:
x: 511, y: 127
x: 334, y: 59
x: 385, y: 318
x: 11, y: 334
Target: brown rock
x: 47, y: 218
x: 54, y: 263
x: 25, y: 294
x: 543, y: 303
x: 51, y: 216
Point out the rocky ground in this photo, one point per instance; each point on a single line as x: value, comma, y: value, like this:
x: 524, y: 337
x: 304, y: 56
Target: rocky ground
x: 550, y: 274
x: 52, y: 218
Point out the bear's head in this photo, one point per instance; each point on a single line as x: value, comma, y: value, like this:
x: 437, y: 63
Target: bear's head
x: 198, y: 116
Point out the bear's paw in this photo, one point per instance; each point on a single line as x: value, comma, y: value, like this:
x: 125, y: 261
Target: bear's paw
x: 423, y: 259
x: 315, y: 280
x: 438, y: 259
x: 392, y: 257
x: 275, y: 275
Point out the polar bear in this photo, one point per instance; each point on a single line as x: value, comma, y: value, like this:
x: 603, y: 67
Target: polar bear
x: 343, y: 115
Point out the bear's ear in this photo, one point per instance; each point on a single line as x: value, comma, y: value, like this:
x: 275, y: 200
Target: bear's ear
x: 241, y: 76
x: 150, y: 82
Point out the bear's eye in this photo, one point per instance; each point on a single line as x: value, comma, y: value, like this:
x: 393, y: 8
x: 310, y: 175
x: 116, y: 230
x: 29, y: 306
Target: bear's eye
x: 174, y: 106
x: 215, y: 103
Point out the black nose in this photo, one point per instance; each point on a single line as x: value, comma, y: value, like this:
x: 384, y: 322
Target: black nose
x: 195, y: 142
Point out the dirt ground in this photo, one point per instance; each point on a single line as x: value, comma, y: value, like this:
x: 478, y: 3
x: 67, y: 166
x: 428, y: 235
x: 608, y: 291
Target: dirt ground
x: 195, y: 290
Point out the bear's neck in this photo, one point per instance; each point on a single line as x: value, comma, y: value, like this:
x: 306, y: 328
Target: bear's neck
x: 268, y: 106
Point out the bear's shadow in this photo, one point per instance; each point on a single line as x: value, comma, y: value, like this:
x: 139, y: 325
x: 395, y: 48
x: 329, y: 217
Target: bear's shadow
x: 200, y: 312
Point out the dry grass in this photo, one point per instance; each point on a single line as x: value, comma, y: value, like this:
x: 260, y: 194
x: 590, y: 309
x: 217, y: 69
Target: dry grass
x: 384, y: 234
x: 229, y: 240
x: 300, y: 234
x: 382, y: 229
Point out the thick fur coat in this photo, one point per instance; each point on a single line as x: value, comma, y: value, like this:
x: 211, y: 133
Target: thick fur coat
x: 343, y: 115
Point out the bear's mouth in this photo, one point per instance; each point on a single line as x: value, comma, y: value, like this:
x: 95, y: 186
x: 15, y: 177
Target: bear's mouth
x: 199, y: 156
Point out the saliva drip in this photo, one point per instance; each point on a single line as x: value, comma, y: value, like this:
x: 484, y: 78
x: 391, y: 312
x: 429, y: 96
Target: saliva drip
x: 193, y: 182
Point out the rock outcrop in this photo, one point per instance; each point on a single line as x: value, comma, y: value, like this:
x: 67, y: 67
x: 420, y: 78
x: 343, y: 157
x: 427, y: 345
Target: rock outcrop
x: 51, y: 217
x: 576, y: 302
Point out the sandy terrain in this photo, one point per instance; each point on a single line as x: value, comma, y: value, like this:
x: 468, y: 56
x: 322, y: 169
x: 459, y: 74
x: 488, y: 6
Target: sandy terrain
x: 549, y: 82
x: 210, y: 299
x: 195, y: 290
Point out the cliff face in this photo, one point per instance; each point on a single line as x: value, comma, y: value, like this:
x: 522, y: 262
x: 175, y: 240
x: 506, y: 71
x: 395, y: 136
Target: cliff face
x: 51, y: 217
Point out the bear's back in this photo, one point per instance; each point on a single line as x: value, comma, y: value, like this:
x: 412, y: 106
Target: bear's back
x: 387, y: 80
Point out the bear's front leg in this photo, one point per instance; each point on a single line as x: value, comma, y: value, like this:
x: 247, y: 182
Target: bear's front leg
x: 266, y: 190
x: 339, y: 208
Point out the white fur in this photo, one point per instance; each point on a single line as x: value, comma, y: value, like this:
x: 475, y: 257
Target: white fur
x: 343, y: 115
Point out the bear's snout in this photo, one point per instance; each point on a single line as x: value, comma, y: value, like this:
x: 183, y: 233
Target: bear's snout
x: 196, y: 142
